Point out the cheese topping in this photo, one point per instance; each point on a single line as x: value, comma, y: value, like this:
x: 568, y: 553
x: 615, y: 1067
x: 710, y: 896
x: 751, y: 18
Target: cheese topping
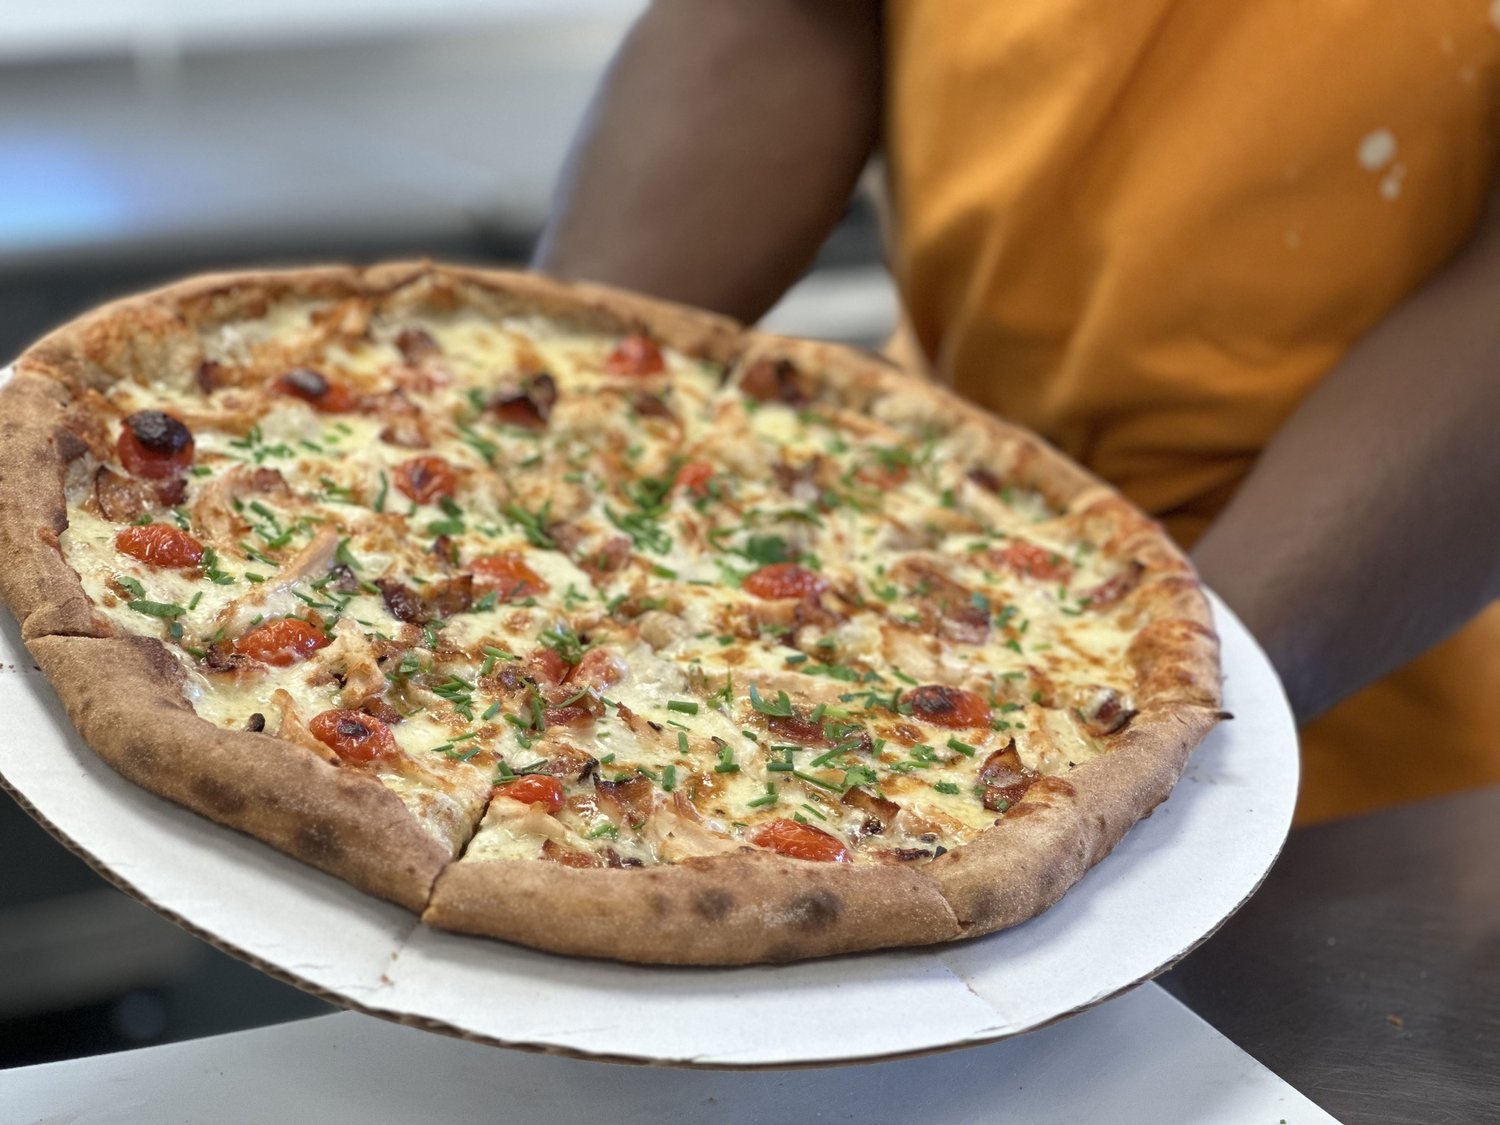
x: 585, y: 599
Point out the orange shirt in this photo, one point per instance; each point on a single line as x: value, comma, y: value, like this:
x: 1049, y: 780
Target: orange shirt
x: 1146, y: 228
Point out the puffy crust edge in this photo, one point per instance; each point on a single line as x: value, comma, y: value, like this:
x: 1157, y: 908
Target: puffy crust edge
x: 726, y: 910
x: 331, y: 818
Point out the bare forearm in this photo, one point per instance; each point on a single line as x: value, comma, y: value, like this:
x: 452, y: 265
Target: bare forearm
x: 721, y: 147
x: 1370, y: 528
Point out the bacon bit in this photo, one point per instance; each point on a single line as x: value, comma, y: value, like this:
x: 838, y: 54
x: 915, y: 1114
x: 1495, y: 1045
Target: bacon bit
x: 160, y: 545
x: 572, y: 763
x: 531, y: 405
x: 1005, y: 778
x: 120, y: 499
x: 358, y: 739
x: 416, y: 344
x: 1030, y: 561
x: 426, y: 479
x: 316, y: 389
x: 776, y: 380
x: 784, y: 580
x: 986, y: 479
x: 881, y: 810
x: 569, y: 857
x: 435, y: 601
x: 406, y: 432
x: 883, y: 476
x: 651, y: 406
x: 153, y: 445
x: 946, y: 706
x: 695, y: 478
x: 613, y: 555
x: 211, y: 376
x: 509, y: 575
x: 1105, y: 712
x: 1114, y: 588
x: 799, y: 841
x: 636, y: 354
x: 283, y: 642
x: 380, y: 709
x: 533, y: 789
x: 549, y: 667
x: 629, y: 800
x: 599, y: 669
x: 578, y: 713
x: 794, y: 728
x: 946, y: 604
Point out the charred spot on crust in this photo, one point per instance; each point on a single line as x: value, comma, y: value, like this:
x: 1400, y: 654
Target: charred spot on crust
x: 661, y: 905
x: 158, y: 431
x: 815, y: 910
x: 713, y: 904
x: 318, y: 842
x: 224, y: 800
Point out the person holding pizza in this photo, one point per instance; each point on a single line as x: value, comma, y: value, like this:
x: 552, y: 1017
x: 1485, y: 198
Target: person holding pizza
x: 1242, y: 261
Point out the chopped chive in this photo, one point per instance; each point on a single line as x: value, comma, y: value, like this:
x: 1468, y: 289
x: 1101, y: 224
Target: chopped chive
x: 962, y: 747
x: 686, y: 706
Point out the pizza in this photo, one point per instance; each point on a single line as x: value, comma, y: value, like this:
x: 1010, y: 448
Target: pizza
x: 587, y: 621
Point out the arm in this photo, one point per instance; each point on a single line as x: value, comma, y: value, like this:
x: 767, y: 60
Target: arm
x: 1370, y: 527
x: 720, y: 149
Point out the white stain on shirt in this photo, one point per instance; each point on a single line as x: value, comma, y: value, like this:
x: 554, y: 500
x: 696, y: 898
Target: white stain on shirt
x: 1390, y: 183
x: 1377, y: 149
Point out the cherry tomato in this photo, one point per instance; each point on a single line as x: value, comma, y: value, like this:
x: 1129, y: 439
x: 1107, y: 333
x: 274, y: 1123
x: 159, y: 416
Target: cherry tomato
x: 694, y: 478
x: 509, y: 573
x: 636, y: 354
x: 357, y: 738
x: 425, y: 479
x: 160, y: 545
x: 785, y: 580
x: 154, y: 445
x: 533, y: 789
x: 1031, y: 561
x: 313, y: 387
x: 282, y: 642
x: 800, y: 841
x: 945, y: 706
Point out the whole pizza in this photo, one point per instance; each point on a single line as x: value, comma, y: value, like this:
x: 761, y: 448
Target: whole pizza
x: 588, y: 621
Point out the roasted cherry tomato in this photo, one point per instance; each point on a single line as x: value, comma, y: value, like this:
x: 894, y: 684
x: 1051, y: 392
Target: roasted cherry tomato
x: 800, y: 841
x: 599, y: 669
x: 533, y: 789
x: 282, y: 642
x: 1031, y: 561
x: 160, y: 545
x: 785, y: 580
x: 357, y: 738
x: 694, y: 478
x: 313, y: 387
x: 425, y: 479
x: 948, y: 706
x: 509, y: 574
x: 636, y: 354
x: 154, y: 445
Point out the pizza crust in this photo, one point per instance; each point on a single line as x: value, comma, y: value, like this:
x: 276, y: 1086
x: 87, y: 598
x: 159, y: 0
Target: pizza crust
x: 736, y: 909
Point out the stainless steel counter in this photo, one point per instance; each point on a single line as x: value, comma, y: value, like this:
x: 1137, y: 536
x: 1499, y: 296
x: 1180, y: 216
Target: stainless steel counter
x: 1366, y: 971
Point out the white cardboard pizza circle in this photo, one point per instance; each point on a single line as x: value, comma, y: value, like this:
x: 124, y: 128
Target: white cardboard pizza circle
x: 1176, y: 877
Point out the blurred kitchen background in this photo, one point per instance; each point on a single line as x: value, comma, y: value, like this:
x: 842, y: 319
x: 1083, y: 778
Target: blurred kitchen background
x: 141, y: 140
